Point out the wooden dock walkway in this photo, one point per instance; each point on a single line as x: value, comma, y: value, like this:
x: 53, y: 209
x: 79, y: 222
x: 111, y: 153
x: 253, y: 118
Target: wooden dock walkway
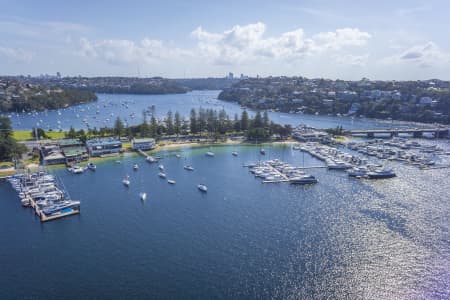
x: 312, y: 167
x: 275, y: 181
x: 142, y: 153
x: 45, y: 218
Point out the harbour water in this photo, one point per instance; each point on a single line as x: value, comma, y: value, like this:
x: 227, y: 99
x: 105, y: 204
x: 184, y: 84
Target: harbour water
x: 129, y: 108
x: 340, y: 238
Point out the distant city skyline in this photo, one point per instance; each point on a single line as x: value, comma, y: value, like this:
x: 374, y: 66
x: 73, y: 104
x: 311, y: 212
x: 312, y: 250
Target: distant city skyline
x: 400, y: 40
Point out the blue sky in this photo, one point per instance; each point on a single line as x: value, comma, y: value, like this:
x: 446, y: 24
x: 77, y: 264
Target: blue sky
x: 399, y: 40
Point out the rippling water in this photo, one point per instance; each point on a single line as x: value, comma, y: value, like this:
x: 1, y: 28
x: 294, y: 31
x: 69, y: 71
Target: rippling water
x: 341, y: 238
x: 130, y: 107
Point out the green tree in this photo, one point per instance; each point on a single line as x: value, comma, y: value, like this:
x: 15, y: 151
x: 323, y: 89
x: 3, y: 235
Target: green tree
x: 236, y: 123
x: 169, y: 123
x: 266, y: 120
x: 71, y: 134
x: 38, y: 133
x: 154, y: 127
x: 9, y: 147
x: 118, y: 127
x: 244, y: 120
x: 177, y: 123
x: 257, y: 121
x: 193, y: 121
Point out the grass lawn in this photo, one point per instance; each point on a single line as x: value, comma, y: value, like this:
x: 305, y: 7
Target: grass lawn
x: 55, y: 135
x: 126, y: 146
x: 6, y: 164
x: 23, y: 135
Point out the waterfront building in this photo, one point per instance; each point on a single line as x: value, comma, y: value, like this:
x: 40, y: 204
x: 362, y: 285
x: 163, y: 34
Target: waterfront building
x: 143, y: 144
x: 73, y: 150
x: 51, y: 154
x: 104, y: 146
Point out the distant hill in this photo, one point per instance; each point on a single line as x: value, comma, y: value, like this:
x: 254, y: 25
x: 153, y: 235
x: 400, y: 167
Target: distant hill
x: 113, y: 85
x: 421, y: 100
x: 16, y: 96
x: 207, y: 83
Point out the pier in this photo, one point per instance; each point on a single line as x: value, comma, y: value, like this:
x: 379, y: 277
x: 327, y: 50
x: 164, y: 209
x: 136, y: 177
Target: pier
x: 440, y: 132
x: 41, y: 192
x: 141, y: 152
x: 283, y: 177
x: 45, y: 218
x: 275, y: 171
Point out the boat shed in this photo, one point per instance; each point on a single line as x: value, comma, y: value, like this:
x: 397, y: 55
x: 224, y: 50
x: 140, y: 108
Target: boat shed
x: 143, y: 144
x: 104, y: 146
x: 54, y: 158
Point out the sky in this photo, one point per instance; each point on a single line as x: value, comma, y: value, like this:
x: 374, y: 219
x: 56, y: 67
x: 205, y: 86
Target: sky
x: 382, y: 40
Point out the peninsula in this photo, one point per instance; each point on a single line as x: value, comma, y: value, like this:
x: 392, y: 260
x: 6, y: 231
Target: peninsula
x: 425, y: 101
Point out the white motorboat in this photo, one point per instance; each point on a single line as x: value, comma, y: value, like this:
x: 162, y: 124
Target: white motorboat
x: 202, y: 187
x: 162, y: 175
x: 171, y: 181
x: 77, y: 169
x: 150, y: 159
x: 380, y: 173
x: 305, y: 179
x: 234, y: 153
x: 189, y: 168
x: 135, y: 167
x: 161, y: 167
x: 91, y: 166
x: 143, y: 196
x: 262, y: 151
x: 357, y: 172
x: 338, y: 165
x: 209, y: 153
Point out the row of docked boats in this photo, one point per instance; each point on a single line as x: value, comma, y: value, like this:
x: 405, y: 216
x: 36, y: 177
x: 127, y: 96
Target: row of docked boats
x: 339, y: 160
x: 40, y: 190
x: 370, y: 172
x: 408, y: 152
x: 277, y: 171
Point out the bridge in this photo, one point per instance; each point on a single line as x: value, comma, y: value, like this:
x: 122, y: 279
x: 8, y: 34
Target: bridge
x: 439, y: 132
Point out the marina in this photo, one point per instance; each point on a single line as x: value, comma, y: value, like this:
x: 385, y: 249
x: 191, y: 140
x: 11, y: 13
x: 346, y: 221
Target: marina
x: 409, y: 152
x: 354, y: 165
x: 40, y: 192
x: 275, y: 171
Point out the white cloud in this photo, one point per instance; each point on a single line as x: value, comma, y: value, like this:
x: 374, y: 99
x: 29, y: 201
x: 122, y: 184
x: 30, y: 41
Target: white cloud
x: 16, y: 55
x: 424, y: 55
x: 247, y: 43
x: 117, y: 51
x: 340, y: 38
x: 352, y: 60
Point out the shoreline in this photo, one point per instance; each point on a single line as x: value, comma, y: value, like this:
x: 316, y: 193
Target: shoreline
x: 169, y: 146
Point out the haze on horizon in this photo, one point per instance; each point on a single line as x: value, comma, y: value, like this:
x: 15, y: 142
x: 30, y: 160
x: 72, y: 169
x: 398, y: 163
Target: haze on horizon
x: 401, y: 40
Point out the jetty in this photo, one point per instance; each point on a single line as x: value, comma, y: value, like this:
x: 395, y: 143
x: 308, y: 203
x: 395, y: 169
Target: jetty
x: 45, y: 218
x: 41, y: 192
x: 276, y: 171
x: 439, y: 132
